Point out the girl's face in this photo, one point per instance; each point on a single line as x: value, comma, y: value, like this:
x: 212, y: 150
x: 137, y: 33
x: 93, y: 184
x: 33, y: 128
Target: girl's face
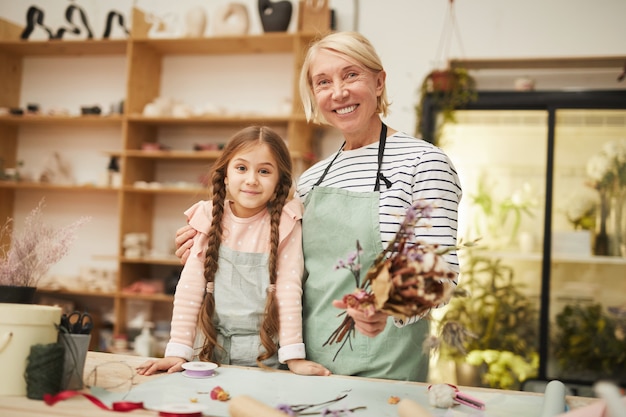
x: 251, y: 179
x: 345, y: 91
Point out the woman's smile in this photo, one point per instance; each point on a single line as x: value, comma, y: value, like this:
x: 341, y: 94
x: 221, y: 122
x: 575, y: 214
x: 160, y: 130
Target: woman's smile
x: 346, y: 110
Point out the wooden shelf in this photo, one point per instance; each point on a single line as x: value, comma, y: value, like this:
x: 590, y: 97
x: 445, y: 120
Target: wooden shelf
x: 277, y: 42
x: 166, y: 190
x: 172, y: 154
x: 64, y: 48
x: 112, y: 120
x: 540, y: 63
x: 78, y: 293
x: 152, y: 261
x: 137, y: 208
x: 213, y: 120
x: 164, y: 298
x: 27, y: 185
x: 559, y: 258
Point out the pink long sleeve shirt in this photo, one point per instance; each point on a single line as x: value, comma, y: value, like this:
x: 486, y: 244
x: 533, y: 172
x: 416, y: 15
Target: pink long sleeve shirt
x: 250, y: 234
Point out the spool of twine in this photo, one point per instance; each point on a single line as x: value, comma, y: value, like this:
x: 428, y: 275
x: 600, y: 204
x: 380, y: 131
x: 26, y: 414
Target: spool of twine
x: 44, y: 370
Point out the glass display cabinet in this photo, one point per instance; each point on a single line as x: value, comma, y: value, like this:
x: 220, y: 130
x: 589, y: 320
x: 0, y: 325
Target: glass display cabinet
x: 544, y: 188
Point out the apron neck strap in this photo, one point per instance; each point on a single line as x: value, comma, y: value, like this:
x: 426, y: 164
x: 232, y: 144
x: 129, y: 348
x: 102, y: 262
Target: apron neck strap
x: 381, y: 151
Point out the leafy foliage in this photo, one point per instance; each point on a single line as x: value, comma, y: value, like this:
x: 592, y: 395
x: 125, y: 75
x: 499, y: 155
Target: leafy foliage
x: 589, y: 343
x: 503, y: 320
x: 456, y: 90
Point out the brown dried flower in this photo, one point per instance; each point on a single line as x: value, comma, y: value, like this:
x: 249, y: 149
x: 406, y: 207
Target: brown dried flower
x: 407, y: 279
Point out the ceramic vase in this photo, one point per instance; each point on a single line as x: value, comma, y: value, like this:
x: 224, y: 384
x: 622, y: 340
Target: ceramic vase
x: 275, y: 16
x: 195, y: 22
x: 17, y: 295
x: 601, y: 243
x: 231, y: 19
x: 618, y: 212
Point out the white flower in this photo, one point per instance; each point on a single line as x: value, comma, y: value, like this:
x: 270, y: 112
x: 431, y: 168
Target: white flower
x: 581, y: 206
x: 607, y: 169
x: 598, y: 167
x: 616, y: 150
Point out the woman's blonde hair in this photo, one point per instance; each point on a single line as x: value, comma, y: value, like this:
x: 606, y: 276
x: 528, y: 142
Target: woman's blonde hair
x: 351, y: 44
x: 242, y: 140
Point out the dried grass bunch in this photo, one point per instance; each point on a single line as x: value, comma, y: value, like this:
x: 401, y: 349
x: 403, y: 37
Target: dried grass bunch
x: 35, y: 249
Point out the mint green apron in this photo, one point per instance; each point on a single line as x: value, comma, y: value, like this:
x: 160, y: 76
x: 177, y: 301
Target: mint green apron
x: 241, y: 284
x: 333, y: 221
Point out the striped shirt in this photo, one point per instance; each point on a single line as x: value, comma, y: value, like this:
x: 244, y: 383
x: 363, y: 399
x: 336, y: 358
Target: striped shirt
x: 417, y: 170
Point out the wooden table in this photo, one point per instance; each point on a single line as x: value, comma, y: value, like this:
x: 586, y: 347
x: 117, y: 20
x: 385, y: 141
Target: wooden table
x: 12, y: 406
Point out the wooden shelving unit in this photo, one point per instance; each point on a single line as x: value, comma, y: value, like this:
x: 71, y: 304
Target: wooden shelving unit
x: 144, y: 61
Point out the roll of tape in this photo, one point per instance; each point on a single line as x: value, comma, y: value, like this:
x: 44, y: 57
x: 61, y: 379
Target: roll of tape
x: 180, y: 410
x: 199, y: 369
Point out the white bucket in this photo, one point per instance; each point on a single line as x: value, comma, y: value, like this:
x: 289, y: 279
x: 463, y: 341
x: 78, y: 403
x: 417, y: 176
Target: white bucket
x: 21, y: 326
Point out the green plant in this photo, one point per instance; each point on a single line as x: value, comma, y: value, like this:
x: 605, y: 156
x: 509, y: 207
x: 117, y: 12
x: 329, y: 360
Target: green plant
x: 449, y: 90
x: 503, y: 320
x: 588, y: 343
x: 498, y: 221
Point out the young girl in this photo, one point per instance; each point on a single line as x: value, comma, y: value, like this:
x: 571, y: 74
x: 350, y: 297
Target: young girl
x: 243, y: 282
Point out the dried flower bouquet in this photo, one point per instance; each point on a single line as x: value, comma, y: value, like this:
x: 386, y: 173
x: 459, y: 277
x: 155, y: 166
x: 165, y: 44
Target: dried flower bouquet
x: 35, y: 249
x: 407, y: 279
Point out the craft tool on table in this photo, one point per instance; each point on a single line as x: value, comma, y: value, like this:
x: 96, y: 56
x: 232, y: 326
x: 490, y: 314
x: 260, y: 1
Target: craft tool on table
x: 77, y: 322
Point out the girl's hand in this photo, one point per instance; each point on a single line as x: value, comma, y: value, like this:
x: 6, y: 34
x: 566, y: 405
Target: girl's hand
x: 184, y: 242
x: 305, y: 367
x: 368, y: 325
x: 170, y: 364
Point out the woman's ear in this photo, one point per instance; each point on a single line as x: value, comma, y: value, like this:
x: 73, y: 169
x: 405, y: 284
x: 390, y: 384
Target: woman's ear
x: 380, y: 82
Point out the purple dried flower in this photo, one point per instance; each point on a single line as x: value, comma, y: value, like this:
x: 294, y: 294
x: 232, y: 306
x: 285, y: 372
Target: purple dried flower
x: 286, y: 408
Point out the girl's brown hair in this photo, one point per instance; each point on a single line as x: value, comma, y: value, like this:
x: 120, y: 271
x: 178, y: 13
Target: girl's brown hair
x: 246, y: 138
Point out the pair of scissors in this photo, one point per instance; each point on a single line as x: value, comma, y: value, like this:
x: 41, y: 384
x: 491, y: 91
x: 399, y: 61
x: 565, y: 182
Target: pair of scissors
x: 77, y: 322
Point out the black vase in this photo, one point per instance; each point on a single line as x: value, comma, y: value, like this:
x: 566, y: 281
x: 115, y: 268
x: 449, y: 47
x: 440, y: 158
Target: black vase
x: 275, y: 16
x: 601, y: 246
x: 17, y: 295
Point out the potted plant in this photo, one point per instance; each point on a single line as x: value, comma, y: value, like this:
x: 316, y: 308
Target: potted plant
x: 445, y: 90
x: 31, y: 253
x: 500, y: 323
x: 590, y: 342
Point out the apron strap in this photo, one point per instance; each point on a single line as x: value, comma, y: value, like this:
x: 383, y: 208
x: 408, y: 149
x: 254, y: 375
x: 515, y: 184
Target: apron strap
x: 381, y: 151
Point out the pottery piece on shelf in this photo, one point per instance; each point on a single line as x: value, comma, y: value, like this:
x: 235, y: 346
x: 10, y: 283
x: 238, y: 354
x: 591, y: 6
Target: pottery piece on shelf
x: 195, y: 22
x: 231, y: 19
x: 57, y: 170
x: 16, y: 294
x: 166, y: 25
x: 275, y: 16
